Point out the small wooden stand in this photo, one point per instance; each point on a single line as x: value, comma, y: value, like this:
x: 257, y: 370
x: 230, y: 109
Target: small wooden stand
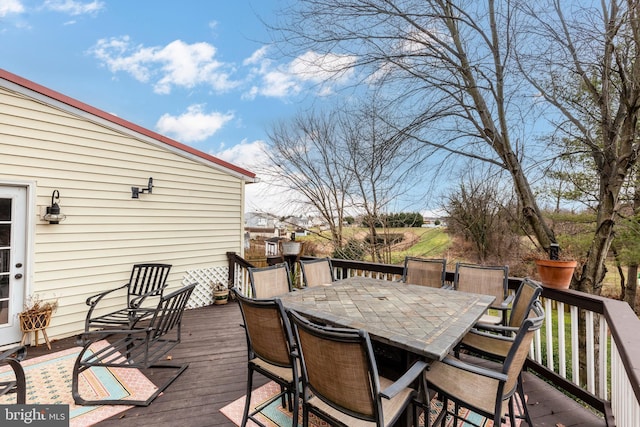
x: 35, y: 322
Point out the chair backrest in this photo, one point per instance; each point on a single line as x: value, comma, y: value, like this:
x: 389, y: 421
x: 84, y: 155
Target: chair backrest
x: 316, y: 272
x: 267, y: 329
x: 520, y: 349
x: 269, y: 282
x: 526, y: 295
x: 424, y: 271
x: 482, y: 279
x: 168, y: 313
x: 146, y: 278
x: 339, y: 368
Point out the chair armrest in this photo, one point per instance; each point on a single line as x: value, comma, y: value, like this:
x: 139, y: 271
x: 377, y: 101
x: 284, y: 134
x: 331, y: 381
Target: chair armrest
x: 137, y: 301
x: 16, y: 353
x: 94, y: 299
x: 474, y: 369
x: 496, y: 329
x: 507, y: 302
x: 405, y: 380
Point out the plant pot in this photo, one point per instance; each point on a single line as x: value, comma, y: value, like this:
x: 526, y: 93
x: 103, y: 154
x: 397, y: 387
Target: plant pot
x: 291, y: 248
x: 221, y: 297
x: 554, y: 273
x: 34, y: 320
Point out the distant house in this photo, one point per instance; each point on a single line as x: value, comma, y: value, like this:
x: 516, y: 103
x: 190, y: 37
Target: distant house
x: 55, y: 150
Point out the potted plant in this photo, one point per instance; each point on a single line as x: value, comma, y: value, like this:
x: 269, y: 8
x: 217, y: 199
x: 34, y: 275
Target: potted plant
x: 36, y: 316
x: 220, y: 293
x: 554, y: 272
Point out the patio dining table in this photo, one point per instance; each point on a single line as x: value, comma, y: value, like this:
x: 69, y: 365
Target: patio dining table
x: 426, y: 322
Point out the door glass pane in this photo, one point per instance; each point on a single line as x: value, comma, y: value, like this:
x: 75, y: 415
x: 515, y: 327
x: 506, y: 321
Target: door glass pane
x: 5, y: 209
x: 4, y: 260
x: 4, y: 286
x: 4, y: 298
x: 5, y: 234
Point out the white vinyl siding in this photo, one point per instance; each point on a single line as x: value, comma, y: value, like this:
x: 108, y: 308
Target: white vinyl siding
x: 192, y: 218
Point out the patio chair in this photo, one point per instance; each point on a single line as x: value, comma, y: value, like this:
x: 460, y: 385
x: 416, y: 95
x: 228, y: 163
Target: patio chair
x: 140, y: 347
x: 425, y: 271
x: 487, y: 340
x: 316, y: 271
x: 16, y: 384
x: 269, y: 282
x: 485, y: 391
x: 341, y: 384
x: 146, y: 280
x: 488, y: 280
x: 270, y: 353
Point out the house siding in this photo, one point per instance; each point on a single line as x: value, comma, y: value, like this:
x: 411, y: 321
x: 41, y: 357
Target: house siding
x: 192, y: 218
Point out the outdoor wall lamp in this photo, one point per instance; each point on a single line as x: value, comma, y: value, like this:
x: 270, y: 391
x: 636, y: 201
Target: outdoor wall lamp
x: 53, y: 215
x: 135, y: 191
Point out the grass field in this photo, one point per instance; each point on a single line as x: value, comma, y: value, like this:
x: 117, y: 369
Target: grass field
x: 424, y: 242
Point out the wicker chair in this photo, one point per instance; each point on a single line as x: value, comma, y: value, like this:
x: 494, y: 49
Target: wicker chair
x: 270, y: 351
x: 487, y: 340
x: 17, y: 383
x: 340, y: 379
x: 269, y: 282
x: 425, y: 272
x: 485, y: 391
x: 316, y: 272
x: 488, y: 280
x: 146, y: 280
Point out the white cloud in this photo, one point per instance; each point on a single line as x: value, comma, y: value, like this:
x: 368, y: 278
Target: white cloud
x: 10, y: 6
x: 177, y: 64
x: 315, y: 67
x: 289, y: 79
x: 262, y: 196
x: 257, y: 56
x: 194, y: 125
x: 74, y: 7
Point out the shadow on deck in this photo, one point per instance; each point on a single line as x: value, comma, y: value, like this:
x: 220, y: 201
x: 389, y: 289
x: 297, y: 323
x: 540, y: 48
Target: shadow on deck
x: 214, y: 345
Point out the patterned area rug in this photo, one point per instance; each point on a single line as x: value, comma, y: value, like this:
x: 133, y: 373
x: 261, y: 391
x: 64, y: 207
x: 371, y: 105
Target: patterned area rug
x: 274, y: 415
x: 49, y: 382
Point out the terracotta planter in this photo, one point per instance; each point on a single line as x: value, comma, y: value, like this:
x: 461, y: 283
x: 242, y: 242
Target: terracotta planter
x: 554, y: 273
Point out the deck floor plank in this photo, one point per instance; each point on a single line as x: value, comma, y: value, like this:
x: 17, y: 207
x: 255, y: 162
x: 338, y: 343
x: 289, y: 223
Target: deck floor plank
x: 214, y: 345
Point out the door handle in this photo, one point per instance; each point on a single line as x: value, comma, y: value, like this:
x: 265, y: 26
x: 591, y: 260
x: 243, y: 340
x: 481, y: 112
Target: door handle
x: 18, y: 276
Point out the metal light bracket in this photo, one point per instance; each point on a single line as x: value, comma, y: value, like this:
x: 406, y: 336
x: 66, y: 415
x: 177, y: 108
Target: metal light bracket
x: 136, y: 191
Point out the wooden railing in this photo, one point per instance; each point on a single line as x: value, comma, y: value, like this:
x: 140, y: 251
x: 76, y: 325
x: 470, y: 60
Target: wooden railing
x: 605, y: 371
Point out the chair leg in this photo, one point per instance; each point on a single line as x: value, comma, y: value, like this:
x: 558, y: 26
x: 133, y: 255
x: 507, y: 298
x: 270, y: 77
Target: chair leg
x: 247, y: 402
x: 295, y: 404
x: 525, y: 409
x: 512, y: 411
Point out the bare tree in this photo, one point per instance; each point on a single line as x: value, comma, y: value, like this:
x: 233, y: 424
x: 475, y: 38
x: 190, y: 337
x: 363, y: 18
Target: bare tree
x: 383, y: 163
x: 584, y: 63
x: 469, y: 89
x: 346, y: 162
x: 446, y: 62
x: 310, y: 158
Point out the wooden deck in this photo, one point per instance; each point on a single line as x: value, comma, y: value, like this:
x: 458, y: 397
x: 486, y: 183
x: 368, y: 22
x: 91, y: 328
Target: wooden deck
x: 215, y: 347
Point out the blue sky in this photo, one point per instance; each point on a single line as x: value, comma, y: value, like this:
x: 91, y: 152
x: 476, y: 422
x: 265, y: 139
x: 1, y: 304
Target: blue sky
x: 199, y: 71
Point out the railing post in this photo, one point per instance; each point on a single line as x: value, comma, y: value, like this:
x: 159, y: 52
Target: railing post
x: 231, y: 257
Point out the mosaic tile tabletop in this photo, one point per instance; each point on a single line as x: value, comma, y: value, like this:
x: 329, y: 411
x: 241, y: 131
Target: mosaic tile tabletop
x: 426, y: 321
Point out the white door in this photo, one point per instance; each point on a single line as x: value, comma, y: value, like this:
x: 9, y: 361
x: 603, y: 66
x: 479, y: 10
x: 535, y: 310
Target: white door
x: 13, y: 236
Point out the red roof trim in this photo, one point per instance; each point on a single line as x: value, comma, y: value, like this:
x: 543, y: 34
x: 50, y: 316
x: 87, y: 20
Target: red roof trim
x: 117, y: 120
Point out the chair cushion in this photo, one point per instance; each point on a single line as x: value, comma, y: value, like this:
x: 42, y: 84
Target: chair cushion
x: 391, y: 408
x: 278, y: 371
